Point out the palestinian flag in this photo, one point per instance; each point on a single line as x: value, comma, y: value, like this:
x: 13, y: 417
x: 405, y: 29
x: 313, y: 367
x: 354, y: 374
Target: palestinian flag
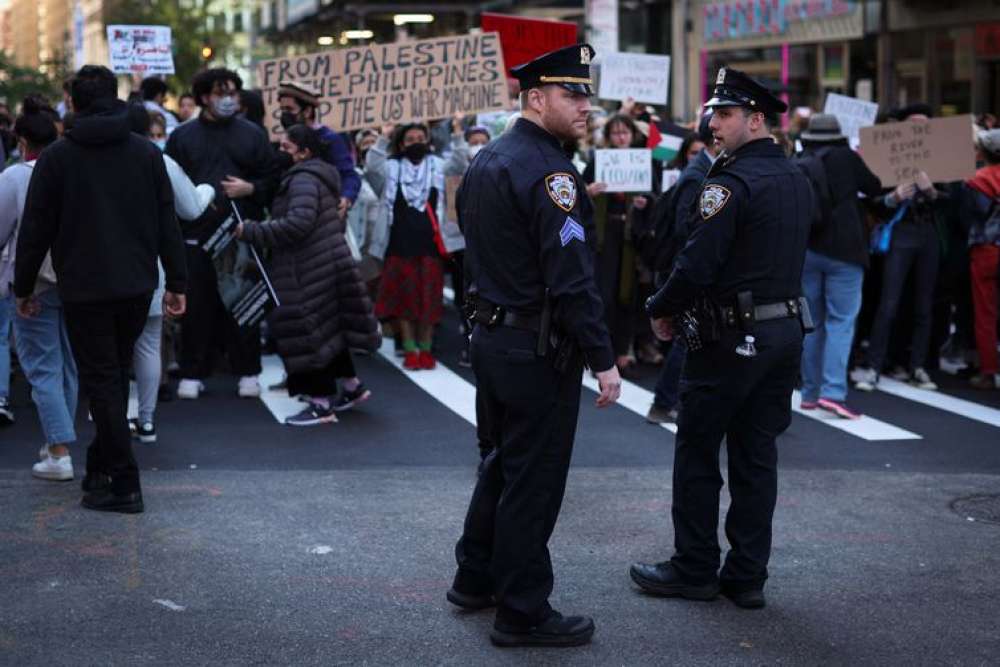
x: 665, y: 139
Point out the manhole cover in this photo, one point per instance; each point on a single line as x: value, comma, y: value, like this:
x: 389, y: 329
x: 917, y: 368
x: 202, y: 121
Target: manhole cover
x: 982, y: 507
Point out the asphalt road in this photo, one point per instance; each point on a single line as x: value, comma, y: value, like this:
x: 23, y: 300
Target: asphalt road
x: 265, y: 544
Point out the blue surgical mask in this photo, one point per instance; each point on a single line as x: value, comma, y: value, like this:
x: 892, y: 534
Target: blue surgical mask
x: 226, y: 107
x: 161, y: 144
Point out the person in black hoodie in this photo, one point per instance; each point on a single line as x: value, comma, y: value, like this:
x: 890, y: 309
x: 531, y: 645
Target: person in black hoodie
x: 101, y: 201
x: 835, y: 264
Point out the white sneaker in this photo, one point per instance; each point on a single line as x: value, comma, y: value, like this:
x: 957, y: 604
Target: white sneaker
x: 865, y: 380
x: 190, y: 389
x: 56, y: 469
x: 248, y: 387
x: 922, y: 380
x: 43, y: 453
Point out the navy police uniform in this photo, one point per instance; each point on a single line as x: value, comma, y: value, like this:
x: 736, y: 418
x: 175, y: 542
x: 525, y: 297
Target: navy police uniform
x: 530, y: 241
x: 742, y: 267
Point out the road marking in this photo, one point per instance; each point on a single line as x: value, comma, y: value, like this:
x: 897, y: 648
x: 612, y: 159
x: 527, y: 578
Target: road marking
x: 867, y: 428
x: 936, y: 399
x: 278, y: 402
x: 633, y: 397
x: 443, y: 384
x: 172, y: 606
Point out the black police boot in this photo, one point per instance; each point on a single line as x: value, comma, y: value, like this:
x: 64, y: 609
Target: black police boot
x: 554, y: 630
x: 95, y: 481
x: 471, y: 592
x: 664, y: 580
x: 743, y: 597
x: 105, y: 500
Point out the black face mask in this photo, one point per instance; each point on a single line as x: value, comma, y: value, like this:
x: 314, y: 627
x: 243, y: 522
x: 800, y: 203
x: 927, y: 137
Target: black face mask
x: 416, y: 152
x: 285, y: 161
x: 288, y: 119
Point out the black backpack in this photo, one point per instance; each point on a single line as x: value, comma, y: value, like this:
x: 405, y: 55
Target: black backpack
x: 814, y: 169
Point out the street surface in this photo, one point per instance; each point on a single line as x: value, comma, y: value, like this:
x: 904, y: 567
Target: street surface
x: 263, y: 544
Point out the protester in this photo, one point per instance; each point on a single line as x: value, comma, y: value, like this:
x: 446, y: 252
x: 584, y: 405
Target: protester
x: 616, y: 216
x: 365, y: 220
x: 691, y: 146
x: 252, y: 107
x: 187, y: 107
x: 324, y: 308
x: 835, y: 262
x: 154, y: 93
x: 233, y: 155
x: 410, y: 183
x: 980, y: 211
x: 102, y: 192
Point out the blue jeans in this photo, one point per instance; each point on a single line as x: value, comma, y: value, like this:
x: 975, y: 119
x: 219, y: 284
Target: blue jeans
x: 667, y: 392
x: 6, y: 315
x: 44, y: 352
x: 833, y: 289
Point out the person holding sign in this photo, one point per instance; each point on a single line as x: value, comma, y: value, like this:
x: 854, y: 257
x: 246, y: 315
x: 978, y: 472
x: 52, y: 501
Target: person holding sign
x: 620, y: 218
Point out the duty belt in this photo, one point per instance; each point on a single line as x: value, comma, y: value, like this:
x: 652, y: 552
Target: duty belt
x: 768, y: 311
x: 492, y: 315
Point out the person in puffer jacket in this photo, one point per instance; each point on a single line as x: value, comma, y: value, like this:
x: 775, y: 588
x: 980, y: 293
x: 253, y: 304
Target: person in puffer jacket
x: 325, y: 309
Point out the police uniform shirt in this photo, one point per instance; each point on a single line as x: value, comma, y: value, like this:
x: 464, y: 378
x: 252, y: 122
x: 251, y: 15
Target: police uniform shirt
x: 750, y: 231
x: 528, y: 224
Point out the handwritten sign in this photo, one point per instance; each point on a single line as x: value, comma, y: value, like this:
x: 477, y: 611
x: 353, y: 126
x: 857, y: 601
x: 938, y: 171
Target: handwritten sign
x: 941, y: 147
x: 624, y: 169
x: 524, y: 39
x: 140, y: 49
x: 644, y: 78
x: 415, y: 81
x: 852, y: 114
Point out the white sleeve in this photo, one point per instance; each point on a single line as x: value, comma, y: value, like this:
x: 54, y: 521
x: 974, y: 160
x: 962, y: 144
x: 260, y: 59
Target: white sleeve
x: 187, y: 203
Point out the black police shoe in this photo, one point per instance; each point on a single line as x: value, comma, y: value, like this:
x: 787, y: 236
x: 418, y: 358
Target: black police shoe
x: 107, y: 501
x: 471, y: 591
x: 555, y: 630
x: 746, y: 598
x: 664, y: 580
x: 93, y: 482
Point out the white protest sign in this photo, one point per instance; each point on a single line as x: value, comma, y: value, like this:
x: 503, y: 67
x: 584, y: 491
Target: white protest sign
x: 852, y: 114
x: 624, y: 169
x: 140, y: 49
x: 670, y: 178
x: 644, y: 78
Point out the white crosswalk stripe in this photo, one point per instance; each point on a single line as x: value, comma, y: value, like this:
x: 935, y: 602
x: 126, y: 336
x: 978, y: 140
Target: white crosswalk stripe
x: 443, y: 384
x: 940, y: 401
x: 866, y: 428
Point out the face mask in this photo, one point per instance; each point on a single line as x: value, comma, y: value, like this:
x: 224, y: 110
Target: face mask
x: 288, y: 119
x: 416, y: 152
x: 225, y: 107
x: 285, y: 160
x: 161, y: 144
x: 361, y: 157
x: 474, y: 150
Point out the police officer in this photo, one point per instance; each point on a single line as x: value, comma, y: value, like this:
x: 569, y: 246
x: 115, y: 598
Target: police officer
x: 742, y: 268
x: 538, y: 319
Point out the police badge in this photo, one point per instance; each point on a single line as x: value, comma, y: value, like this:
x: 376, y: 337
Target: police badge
x: 562, y: 189
x: 713, y: 198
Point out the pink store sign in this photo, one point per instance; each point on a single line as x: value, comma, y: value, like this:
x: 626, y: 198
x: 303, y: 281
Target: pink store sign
x: 747, y: 19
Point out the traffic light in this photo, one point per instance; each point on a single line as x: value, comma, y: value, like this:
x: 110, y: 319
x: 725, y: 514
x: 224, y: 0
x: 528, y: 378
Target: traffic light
x: 207, y: 52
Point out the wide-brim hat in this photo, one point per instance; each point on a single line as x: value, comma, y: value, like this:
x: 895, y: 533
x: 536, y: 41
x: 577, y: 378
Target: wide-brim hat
x: 298, y: 90
x: 822, y: 127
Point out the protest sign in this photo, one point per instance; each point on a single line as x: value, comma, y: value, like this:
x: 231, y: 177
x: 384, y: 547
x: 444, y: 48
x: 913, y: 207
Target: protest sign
x: 852, y: 114
x: 642, y: 77
x: 415, y: 81
x: 624, y: 169
x: 524, y: 39
x: 941, y: 147
x: 140, y: 49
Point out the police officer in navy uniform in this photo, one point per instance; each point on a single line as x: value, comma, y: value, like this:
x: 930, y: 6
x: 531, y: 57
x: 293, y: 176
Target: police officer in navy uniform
x: 538, y: 319
x: 734, y: 292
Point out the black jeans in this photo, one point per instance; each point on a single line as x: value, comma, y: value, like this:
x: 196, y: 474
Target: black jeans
x: 747, y: 401
x: 207, y: 321
x: 532, y: 415
x: 103, y: 336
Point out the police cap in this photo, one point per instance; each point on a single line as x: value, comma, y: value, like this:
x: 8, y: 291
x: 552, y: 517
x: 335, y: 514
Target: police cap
x: 568, y: 67
x: 734, y: 88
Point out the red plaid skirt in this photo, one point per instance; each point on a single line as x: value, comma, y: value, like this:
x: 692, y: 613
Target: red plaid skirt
x: 411, y: 290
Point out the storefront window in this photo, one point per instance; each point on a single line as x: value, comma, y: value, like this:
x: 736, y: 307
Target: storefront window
x: 955, y: 69
x: 803, y: 86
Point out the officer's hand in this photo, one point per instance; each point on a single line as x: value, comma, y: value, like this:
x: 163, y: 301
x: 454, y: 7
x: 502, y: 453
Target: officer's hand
x: 904, y: 191
x: 663, y: 328
x: 610, y: 384
x: 595, y: 189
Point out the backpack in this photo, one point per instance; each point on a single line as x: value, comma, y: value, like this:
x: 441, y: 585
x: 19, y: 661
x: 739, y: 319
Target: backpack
x: 811, y: 164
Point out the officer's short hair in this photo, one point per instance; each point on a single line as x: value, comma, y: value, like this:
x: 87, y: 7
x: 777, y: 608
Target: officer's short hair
x: 771, y: 120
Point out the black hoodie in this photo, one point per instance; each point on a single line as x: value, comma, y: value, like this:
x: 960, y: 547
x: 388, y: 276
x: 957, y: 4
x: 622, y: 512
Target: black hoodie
x: 101, y: 200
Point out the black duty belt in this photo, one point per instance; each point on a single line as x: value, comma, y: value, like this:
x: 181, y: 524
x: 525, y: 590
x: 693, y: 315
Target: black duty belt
x: 517, y: 321
x: 491, y: 315
x: 768, y: 311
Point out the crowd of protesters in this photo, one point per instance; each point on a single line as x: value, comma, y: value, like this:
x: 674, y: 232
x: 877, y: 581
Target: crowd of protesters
x: 355, y: 231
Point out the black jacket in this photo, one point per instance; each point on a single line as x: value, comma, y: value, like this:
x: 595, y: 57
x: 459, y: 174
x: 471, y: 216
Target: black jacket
x: 101, y: 200
x: 844, y: 237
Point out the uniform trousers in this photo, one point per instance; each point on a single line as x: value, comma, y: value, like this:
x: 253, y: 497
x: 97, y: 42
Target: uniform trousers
x: 532, y: 416
x: 747, y: 401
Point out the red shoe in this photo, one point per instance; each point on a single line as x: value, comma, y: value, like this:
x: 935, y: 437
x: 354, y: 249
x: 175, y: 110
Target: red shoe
x: 838, y: 408
x: 427, y: 361
x: 411, y: 361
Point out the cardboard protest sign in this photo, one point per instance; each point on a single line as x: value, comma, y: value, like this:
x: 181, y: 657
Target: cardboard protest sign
x: 524, y: 39
x: 624, y: 169
x: 644, y: 78
x: 140, y: 49
x: 415, y: 81
x: 852, y: 114
x: 941, y: 147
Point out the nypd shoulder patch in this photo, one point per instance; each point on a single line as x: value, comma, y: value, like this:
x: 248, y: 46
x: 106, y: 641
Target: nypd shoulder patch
x: 571, y: 229
x: 562, y: 189
x: 713, y: 200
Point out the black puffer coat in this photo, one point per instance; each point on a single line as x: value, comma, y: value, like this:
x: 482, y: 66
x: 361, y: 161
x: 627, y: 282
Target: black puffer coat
x: 324, y: 304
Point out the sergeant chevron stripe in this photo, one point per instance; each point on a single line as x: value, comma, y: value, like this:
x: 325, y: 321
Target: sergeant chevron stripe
x: 571, y: 229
